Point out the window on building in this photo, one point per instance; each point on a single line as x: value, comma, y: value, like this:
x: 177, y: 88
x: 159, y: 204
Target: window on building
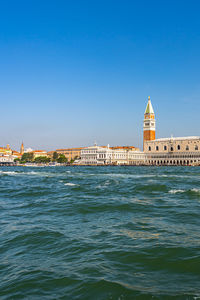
x: 196, y: 147
x: 157, y: 148
x: 165, y: 148
x: 149, y: 148
x: 187, y: 148
x: 178, y: 147
x: 172, y: 149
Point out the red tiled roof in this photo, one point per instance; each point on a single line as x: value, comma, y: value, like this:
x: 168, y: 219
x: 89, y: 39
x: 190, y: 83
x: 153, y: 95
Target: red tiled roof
x: 16, y: 152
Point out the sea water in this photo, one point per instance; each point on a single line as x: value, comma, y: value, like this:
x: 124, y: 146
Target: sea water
x: 100, y: 233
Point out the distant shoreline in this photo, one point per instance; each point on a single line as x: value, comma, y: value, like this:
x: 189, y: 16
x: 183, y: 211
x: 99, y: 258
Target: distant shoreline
x: 76, y: 165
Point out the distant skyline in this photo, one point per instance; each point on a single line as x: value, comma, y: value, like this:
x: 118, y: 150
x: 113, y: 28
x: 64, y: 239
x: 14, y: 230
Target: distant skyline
x: 76, y: 72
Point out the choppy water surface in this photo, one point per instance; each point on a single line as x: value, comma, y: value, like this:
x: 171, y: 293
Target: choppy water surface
x: 100, y: 233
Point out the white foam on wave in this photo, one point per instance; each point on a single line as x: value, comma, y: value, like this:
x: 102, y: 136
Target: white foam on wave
x: 176, y: 191
x: 42, y: 174
x: 71, y: 184
x: 156, y: 176
x: 30, y: 173
x: 19, y: 173
x: 195, y: 190
x: 129, y: 175
x: 8, y: 172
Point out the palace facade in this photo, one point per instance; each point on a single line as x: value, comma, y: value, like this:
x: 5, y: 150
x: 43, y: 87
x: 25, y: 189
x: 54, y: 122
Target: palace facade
x: 173, y: 151
x: 167, y: 151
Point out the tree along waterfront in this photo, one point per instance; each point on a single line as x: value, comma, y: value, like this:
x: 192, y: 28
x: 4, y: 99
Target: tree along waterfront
x: 29, y: 158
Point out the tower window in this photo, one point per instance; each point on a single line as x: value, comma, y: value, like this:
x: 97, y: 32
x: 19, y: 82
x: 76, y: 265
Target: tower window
x: 178, y: 147
x: 172, y: 149
x: 165, y: 148
x: 149, y: 148
x: 157, y: 148
x: 187, y: 148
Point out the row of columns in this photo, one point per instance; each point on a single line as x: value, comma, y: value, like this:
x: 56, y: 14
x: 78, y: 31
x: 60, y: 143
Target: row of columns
x: 185, y: 162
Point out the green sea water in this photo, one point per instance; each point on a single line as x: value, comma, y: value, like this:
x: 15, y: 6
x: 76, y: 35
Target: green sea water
x: 100, y: 233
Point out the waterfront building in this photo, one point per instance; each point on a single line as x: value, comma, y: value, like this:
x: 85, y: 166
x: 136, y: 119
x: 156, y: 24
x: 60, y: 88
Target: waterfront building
x: 6, y: 159
x: 16, y: 154
x: 5, y: 151
x: 136, y: 158
x: 127, y: 155
x: 168, y: 151
x: 90, y: 155
x: 50, y: 154
x: 70, y: 153
x: 173, y: 151
x: 102, y: 155
x: 6, y: 155
x: 39, y: 153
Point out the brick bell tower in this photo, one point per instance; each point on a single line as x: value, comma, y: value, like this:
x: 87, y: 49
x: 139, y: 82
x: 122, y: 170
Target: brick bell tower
x: 149, y: 127
x: 22, y: 149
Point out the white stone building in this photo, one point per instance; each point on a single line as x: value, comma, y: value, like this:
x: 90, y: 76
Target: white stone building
x: 98, y: 155
x: 6, y: 159
x: 173, y: 151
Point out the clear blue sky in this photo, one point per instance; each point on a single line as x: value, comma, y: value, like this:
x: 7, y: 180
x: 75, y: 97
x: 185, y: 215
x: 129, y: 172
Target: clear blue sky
x: 72, y: 72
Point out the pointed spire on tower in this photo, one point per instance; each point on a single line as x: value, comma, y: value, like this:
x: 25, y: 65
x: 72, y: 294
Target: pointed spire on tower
x: 149, y: 108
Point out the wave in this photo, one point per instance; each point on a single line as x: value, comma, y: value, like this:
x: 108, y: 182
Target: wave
x: 176, y: 191
x: 8, y: 172
x: 195, y: 190
x: 31, y: 173
x: 170, y: 176
x: 71, y: 184
x: 19, y: 173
